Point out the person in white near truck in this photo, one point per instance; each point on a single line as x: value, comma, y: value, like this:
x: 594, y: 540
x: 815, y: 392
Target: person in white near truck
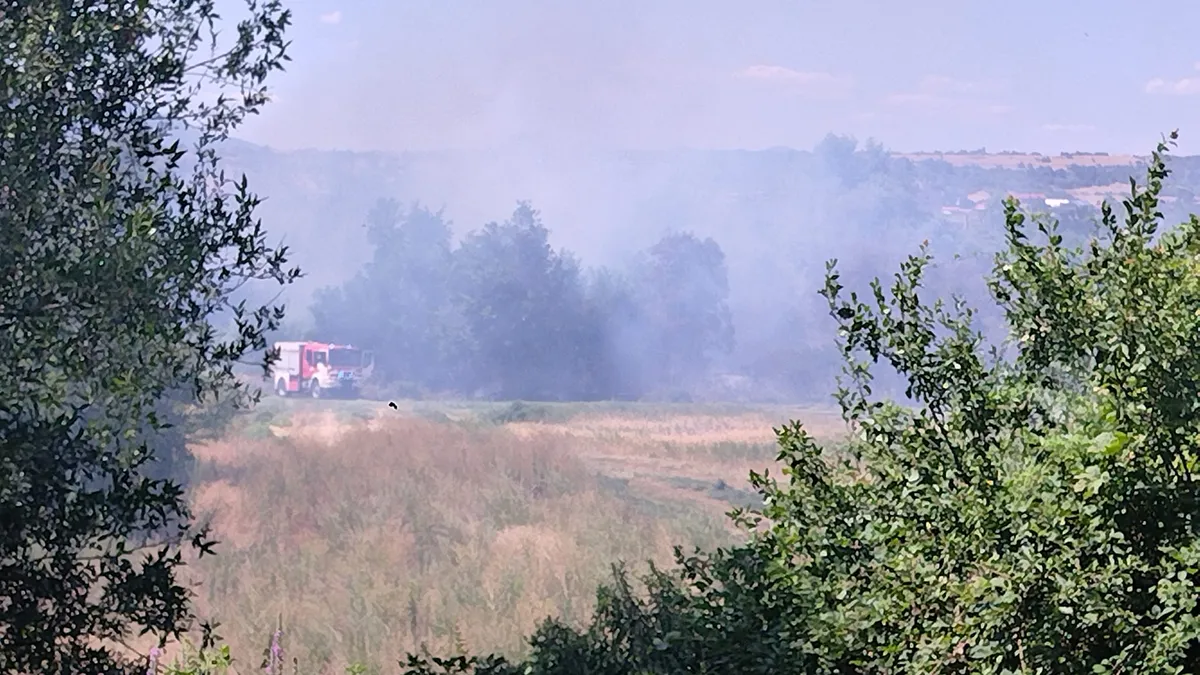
x: 319, y: 369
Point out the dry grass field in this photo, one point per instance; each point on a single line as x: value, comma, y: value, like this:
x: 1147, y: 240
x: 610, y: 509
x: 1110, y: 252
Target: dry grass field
x: 370, y: 531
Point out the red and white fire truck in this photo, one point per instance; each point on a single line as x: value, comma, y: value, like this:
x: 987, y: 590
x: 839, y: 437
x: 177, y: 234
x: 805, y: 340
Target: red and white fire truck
x: 319, y: 369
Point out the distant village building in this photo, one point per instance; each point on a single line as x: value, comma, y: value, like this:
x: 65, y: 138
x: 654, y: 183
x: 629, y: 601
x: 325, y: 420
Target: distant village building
x: 980, y: 200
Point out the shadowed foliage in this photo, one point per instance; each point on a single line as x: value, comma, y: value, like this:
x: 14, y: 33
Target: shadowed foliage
x: 120, y: 249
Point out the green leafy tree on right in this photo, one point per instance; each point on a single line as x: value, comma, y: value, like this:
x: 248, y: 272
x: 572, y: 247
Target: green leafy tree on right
x: 1029, y: 512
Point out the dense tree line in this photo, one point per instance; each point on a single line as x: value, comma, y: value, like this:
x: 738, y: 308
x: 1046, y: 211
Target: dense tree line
x: 504, y: 314
x: 462, y: 318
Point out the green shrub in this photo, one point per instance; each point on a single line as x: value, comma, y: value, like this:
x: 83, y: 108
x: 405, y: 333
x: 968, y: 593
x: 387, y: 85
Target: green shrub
x: 1029, y: 513
x: 520, y: 411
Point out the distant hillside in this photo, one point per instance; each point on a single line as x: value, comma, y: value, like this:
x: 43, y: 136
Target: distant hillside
x: 1022, y: 160
x: 777, y: 213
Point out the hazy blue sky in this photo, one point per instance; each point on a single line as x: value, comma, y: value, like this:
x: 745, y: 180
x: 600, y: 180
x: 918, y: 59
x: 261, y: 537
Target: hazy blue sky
x: 916, y: 74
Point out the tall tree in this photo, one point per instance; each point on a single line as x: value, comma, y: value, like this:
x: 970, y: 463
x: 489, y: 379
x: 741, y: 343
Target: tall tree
x: 522, y: 303
x: 617, y: 360
x: 685, y: 296
x: 399, y: 304
x: 116, y: 249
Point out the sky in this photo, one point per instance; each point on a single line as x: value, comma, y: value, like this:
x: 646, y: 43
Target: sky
x: 570, y: 75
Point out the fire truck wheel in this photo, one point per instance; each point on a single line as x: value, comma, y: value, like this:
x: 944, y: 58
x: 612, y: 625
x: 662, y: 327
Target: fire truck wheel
x: 281, y: 387
x: 315, y: 389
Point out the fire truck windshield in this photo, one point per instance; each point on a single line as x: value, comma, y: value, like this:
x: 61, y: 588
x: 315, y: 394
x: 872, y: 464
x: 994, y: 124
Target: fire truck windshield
x: 345, y: 358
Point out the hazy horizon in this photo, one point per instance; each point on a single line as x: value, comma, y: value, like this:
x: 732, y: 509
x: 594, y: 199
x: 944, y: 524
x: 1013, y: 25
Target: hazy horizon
x: 544, y: 77
x: 552, y: 102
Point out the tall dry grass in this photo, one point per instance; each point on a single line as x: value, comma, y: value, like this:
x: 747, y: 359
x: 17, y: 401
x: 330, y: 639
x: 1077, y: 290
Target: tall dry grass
x: 371, y: 543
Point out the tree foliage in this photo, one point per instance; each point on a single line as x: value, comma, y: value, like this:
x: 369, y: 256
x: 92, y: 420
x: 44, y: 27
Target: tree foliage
x: 117, y: 247
x: 1033, y: 511
x: 398, y: 299
x: 505, y: 314
x: 683, y: 288
x: 520, y: 302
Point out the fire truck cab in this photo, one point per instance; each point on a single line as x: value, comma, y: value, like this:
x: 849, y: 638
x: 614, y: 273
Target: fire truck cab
x: 319, y: 369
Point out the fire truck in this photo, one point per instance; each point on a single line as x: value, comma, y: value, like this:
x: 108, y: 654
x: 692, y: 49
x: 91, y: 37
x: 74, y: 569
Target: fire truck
x: 319, y: 369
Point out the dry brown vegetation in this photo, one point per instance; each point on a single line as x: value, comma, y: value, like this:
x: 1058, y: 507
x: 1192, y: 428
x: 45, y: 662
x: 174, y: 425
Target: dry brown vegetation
x: 370, y: 537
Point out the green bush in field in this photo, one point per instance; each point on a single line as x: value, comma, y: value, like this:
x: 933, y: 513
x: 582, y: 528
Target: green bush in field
x: 520, y: 411
x: 1029, y: 514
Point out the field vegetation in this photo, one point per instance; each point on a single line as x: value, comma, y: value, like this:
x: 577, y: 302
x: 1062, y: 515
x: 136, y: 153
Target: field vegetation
x: 370, y: 532
x: 1025, y: 507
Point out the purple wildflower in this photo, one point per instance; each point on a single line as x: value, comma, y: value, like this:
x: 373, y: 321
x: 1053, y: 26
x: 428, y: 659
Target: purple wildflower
x: 275, y: 660
x: 155, y: 653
